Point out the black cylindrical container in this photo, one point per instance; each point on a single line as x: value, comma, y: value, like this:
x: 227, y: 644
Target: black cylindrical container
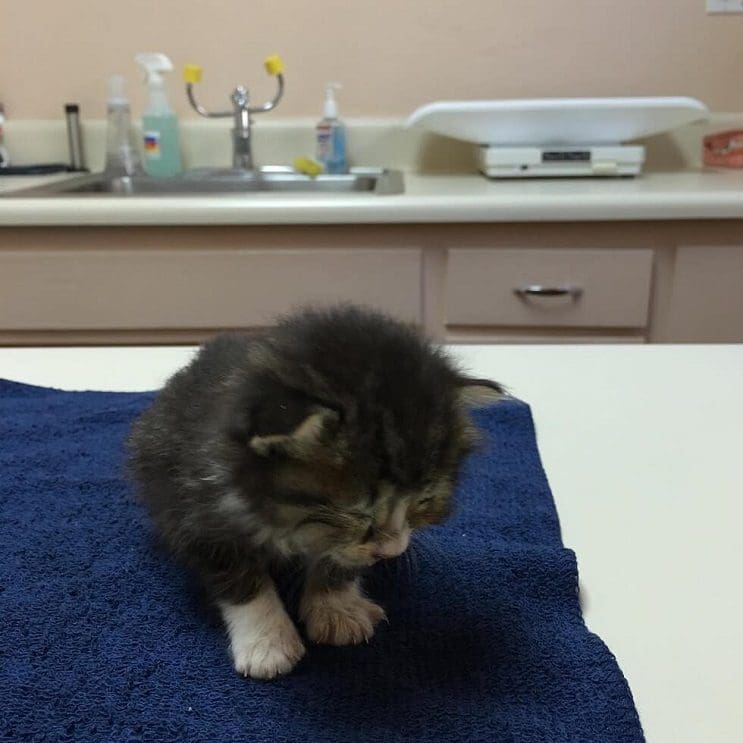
x: 74, y: 136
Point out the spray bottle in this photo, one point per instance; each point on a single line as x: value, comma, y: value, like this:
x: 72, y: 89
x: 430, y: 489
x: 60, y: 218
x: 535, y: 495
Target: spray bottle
x: 162, y: 148
x: 331, y: 135
x: 122, y: 156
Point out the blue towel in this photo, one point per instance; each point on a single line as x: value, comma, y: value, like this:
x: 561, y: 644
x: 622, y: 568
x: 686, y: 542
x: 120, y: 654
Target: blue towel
x: 103, y: 638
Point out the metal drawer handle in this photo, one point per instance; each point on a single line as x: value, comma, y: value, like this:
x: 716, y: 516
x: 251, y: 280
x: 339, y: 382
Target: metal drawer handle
x: 537, y: 290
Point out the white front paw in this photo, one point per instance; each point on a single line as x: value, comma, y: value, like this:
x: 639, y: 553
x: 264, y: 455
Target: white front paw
x: 263, y: 640
x: 268, y: 656
x: 342, y: 617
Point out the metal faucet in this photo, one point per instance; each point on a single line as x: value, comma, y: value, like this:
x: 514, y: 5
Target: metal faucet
x: 242, y: 112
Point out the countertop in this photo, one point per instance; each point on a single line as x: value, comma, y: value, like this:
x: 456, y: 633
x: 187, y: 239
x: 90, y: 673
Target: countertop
x: 641, y: 445
x: 707, y: 194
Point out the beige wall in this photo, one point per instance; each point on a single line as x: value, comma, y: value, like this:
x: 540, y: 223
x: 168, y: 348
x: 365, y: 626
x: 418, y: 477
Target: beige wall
x: 391, y: 55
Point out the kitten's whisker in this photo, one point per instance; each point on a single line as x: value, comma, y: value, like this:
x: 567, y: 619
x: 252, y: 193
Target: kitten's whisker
x: 408, y: 555
x: 416, y: 559
x: 427, y: 548
x: 435, y: 551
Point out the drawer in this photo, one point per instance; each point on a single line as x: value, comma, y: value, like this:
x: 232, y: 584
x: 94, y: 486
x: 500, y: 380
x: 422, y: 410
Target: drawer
x: 198, y: 288
x: 613, y: 287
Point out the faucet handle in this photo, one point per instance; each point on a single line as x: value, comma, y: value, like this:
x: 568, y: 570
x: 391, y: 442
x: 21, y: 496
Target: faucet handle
x: 274, y: 66
x: 192, y: 75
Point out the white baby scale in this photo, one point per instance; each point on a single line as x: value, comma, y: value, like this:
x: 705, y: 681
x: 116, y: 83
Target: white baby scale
x: 558, y: 137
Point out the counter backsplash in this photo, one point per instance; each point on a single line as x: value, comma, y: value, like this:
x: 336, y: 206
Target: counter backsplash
x: 371, y: 142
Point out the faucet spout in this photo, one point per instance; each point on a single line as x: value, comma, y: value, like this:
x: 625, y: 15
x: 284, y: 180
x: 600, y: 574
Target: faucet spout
x: 242, y: 146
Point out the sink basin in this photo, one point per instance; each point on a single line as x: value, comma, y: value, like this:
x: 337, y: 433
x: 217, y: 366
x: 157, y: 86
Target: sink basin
x: 210, y: 182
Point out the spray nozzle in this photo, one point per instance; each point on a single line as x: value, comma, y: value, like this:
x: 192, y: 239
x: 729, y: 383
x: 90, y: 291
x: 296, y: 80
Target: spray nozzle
x: 330, y: 108
x: 116, y: 90
x: 154, y: 63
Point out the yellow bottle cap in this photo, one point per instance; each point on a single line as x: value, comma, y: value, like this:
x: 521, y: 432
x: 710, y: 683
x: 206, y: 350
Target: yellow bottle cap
x: 192, y: 73
x: 274, y: 65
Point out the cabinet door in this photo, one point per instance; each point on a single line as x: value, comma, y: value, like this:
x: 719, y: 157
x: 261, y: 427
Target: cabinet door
x: 579, y: 288
x: 707, y: 295
x: 199, y: 288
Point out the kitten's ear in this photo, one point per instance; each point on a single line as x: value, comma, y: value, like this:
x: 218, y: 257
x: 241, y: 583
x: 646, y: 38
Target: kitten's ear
x: 303, y: 441
x: 476, y: 393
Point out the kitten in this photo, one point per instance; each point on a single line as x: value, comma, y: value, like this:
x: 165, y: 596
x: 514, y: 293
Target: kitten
x: 327, y: 442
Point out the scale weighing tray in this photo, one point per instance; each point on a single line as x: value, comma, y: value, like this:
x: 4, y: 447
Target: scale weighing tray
x: 558, y: 136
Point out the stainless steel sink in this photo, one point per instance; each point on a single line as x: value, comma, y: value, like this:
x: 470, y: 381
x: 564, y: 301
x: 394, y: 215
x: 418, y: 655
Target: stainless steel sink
x: 211, y: 182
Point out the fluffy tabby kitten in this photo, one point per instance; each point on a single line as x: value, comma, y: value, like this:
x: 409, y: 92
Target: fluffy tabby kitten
x: 324, y: 442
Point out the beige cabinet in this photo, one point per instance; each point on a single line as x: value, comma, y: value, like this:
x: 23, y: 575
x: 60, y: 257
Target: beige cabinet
x: 567, y: 282
x: 163, y: 285
x: 706, y: 298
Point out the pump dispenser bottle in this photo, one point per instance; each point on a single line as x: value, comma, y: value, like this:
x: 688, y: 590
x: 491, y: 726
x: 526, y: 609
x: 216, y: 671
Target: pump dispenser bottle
x: 162, y: 149
x: 122, y: 155
x: 331, y: 135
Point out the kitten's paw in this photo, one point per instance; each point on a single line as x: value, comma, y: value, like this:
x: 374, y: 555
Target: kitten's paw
x: 340, y: 617
x: 269, y: 656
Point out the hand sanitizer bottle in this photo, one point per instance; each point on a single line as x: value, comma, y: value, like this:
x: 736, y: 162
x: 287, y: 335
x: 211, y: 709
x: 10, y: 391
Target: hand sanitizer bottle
x: 331, y: 135
x: 162, y: 148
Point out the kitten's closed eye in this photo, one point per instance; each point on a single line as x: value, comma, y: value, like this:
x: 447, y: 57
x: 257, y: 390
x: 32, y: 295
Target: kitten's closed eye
x: 350, y: 521
x: 291, y: 497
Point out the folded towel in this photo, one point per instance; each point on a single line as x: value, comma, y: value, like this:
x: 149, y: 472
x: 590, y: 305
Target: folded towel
x: 103, y: 638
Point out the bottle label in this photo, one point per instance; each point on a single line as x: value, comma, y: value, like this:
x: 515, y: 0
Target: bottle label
x: 324, y: 143
x: 152, y: 145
